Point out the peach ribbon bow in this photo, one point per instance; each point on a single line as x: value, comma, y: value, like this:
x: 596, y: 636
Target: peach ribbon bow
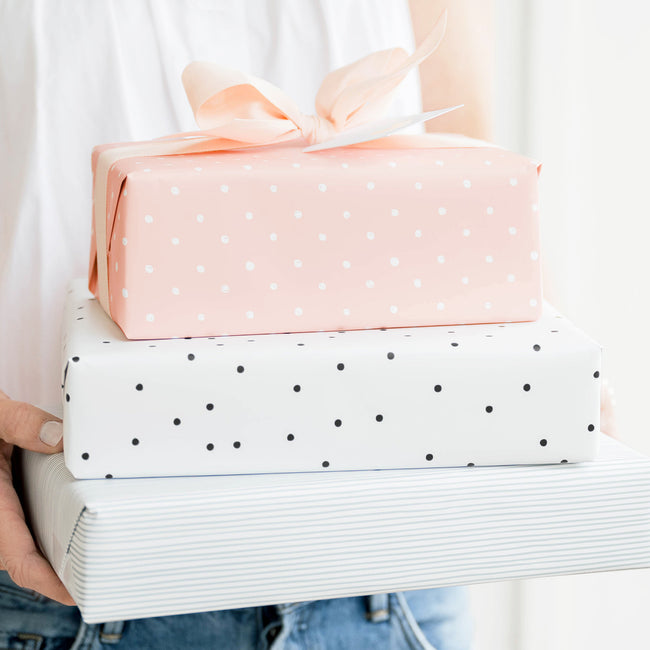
x: 235, y: 109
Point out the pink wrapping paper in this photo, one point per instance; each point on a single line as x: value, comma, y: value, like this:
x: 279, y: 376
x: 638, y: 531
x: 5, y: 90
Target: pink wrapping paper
x: 276, y: 240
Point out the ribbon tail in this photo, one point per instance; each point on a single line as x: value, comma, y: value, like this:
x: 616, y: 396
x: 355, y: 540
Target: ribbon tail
x: 426, y: 48
x: 430, y: 43
x: 377, y: 130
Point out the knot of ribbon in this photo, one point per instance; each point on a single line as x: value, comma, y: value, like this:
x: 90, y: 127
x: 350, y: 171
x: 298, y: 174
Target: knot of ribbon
x: 316, y: 129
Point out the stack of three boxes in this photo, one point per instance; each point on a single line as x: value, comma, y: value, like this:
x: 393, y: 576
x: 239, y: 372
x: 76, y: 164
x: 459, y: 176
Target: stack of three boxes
x: 290, y: 315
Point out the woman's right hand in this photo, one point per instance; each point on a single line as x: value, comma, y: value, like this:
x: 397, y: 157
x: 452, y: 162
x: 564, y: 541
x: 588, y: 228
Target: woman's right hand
x: 25, y: 426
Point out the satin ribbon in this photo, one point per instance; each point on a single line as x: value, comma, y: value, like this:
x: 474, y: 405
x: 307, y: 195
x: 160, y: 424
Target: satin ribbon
x: 235, y: 110
x: 238, y: 109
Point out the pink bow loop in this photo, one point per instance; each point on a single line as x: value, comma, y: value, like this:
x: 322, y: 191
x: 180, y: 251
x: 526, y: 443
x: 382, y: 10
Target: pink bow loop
x: 230, y: 104
x: 357, y: 93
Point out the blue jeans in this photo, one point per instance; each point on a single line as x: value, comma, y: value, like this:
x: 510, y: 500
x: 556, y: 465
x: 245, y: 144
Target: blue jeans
x: 416, y: 620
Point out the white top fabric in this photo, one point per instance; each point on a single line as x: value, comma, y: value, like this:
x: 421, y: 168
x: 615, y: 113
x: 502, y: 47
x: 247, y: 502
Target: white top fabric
x: 79, y: 73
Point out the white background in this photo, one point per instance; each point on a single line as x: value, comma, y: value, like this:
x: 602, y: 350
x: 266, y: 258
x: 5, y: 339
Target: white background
x: 572, y: 91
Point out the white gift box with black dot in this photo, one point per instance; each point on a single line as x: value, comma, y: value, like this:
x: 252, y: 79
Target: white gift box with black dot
x: 471, y: 395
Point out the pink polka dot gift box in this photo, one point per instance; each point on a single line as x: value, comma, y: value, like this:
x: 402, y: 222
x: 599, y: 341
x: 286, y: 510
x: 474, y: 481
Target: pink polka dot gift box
x: 270, y: 220
x: 269, y: 240
x: 325, y: 401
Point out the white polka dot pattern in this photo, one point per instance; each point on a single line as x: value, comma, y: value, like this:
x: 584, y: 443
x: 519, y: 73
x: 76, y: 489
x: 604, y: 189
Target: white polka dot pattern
x: 274, y: 226
x: 482, y: 394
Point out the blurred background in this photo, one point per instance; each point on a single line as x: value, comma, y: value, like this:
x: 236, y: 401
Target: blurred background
x: 572, y: 91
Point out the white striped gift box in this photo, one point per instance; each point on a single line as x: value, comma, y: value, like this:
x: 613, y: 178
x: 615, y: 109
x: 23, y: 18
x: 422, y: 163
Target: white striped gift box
x: 133, y: 548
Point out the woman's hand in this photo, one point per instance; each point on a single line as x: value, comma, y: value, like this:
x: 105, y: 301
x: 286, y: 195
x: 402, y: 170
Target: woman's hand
x: 28, y: 427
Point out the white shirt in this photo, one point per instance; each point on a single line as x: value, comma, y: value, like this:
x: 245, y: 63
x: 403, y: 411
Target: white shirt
x: 74, y: 74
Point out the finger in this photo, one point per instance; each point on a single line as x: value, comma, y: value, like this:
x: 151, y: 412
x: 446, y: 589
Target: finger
x: 18, y: 553
x: 35, y: 573
x: 29, y: 427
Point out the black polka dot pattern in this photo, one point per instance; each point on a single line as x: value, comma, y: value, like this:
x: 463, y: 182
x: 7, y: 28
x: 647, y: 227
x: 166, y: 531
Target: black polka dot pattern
x: 325, y: 395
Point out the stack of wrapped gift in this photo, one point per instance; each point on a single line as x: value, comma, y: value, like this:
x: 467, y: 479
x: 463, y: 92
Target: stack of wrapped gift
x: 266, y: 317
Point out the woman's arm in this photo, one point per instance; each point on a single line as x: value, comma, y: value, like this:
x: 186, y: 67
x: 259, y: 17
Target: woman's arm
x: 461, y: 70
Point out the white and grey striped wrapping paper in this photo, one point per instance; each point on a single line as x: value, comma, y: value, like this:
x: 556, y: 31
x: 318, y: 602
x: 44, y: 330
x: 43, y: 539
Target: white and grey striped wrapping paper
x: 131, y: 548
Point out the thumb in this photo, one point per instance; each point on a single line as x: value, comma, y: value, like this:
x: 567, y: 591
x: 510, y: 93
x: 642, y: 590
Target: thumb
x: 29, y: 427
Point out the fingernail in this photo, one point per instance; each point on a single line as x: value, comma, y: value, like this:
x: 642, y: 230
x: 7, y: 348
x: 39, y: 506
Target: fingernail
x: 51, y: 433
